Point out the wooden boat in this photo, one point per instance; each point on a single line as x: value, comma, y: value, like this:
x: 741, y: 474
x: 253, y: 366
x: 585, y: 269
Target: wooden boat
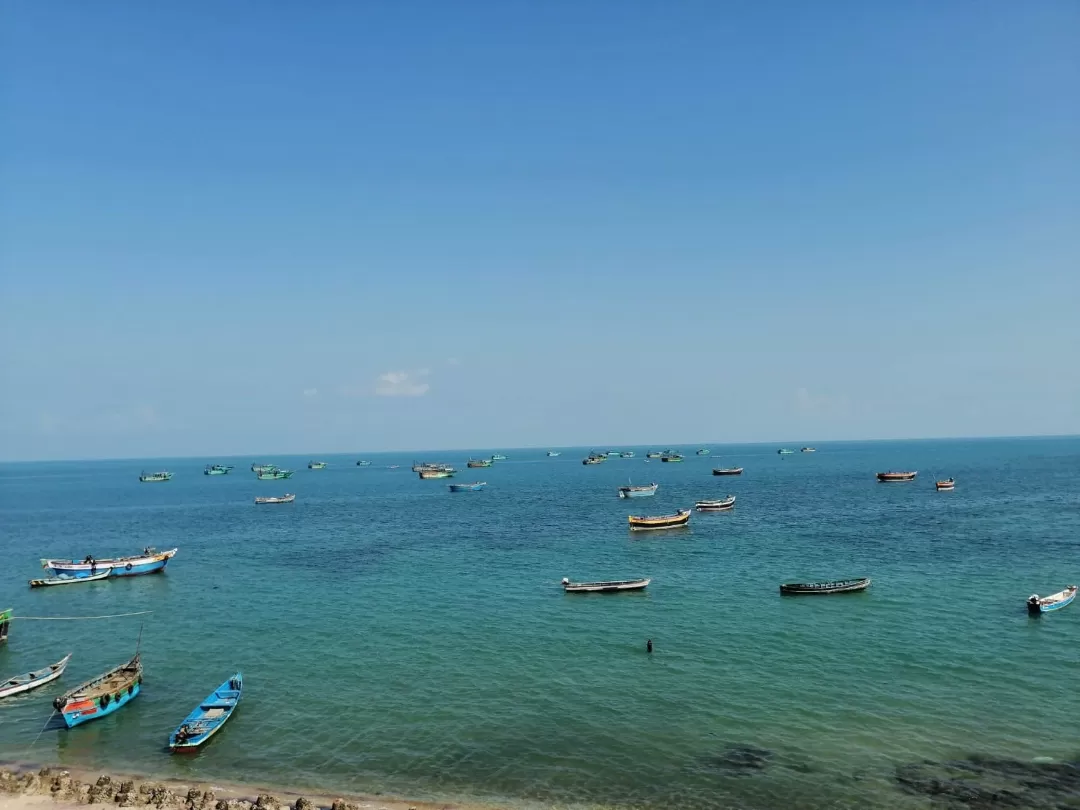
x: 837, y: 586
x: 641, y: 523
x: 261, y: 468
x: 363, y: 463
x: 946, y: 485
x: 102, y: 695
x: 1046, y: 604
x: 645, y: 491
x: 316, y: 465
x: 476, y: 486
x: 552, y: 454
x: 208, y: 717
x: 217, y: 469
x: 426, y: 475
x: 498, y: 457
x: 653, y: 454
x: 477, y: 463
x: 66, y: 579
x: 594, y: 459
x: 889, y: 477
x: 720, y: 505
x: 671, y: 457
x: 35, y: 679
x: 727, y: 470
x: 150, y: 561
x: 153, y: 478
x: 808, y: 450
x: 274, y: 474
x: 5, y: 623
x: 286, y: 498
x: 605, y: 587
x: 785, y: 452
x: 703, y: 452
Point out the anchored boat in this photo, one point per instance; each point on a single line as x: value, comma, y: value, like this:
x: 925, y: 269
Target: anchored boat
x: 808, y: 450
x: 552, y: 454
x: 1046, y: 604
x: 208, y: 717
x: 605, y: 587
x: 727, y: 470
x: 704, y: 451
x: 101, y: 695
x: 427, y: 475
x: 476, y: 486
x: 261, y: 468
x: 217, y: 469
x: 645, y: 491
x: 66, y: 579
x: 286, y: 498
x: 891, y: 477
x: 153, y: 478
x: 785, y: 452
x: 819, y: 588
x: 150, y: 561
x: 316, y: 465
x: 671, y: 457
x: 594, y: 458
x: 5, y: 623
x: 640, y: 523
x: 274, y: 475
x: 35, y: 679
x: 478, y: 463
x: 498, y: 457
x: 721, y: 505
x: 363, y: 463
x: 946, y: 485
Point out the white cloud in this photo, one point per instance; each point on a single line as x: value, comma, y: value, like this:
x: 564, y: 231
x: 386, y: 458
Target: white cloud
x: 453, y: 361
x: 402, y: 383
x: 311, y: 392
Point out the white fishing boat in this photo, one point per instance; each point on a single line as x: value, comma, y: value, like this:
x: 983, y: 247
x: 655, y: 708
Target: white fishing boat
x: 719, y: 505
x: 32, y: 680
x: 604, y: 587
x: 287, y: 498
x: 68, y: 579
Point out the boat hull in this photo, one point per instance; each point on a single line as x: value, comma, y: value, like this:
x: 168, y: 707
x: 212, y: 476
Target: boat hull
x: 466, y: 487
x: 66, y: 580
x: 650, y: 524
x: 208, y: 718
x: 622, y: 586
x: 732, y: 471
x: 83, y: 711
x: 825, y: 588
x: 120, y: 567
x: 638, y: 492
x: 1037, y: 609
x: 896, y: 477
x: 101, y: 696
x: 34, y: 680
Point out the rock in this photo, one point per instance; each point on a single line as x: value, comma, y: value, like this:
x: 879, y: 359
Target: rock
x: 266, y: 802
x: 161, y: 796
x: 221, y: 805
x: 206, y: 801
x: 303, y: 804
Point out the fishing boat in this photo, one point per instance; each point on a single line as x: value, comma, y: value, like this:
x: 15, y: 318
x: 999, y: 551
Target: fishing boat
x: 1057, y: 601
x: 783, y: 451
x: 552, y: 454
x: 427, y: 475
x: 946, y: 485
x: 498, y: 457
x: 653, y: 454
x: 150, y: 561
x: 274, y: 474
x: 613, y: 454
x: 208, y: 717
x: 721, y: 505
x: 316, y: 465
x: 153, y: 478
x: 363, y: 463
x: 671, y: 457
x: 5, y: 623
x: 808, y: 450
x: 628, y: 454
x: 594, y: 459
x: 703, y: 452
x: 605, y: 587
x: 67, y: 579
x: 837, y: 586
x: 476, y: 463
x: 476, y: 486
x: 217, y: 469
x: 889, y: 477
x: 101, y: 695
x: 640, y: 523
x: 429, y: 465
x: 286, y: 498
x: 261, y: 468
x: 35, y: 679
x: 631, y: 491
x: 727, y: 470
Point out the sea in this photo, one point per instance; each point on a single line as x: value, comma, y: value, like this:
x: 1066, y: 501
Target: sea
x: 398, y: 639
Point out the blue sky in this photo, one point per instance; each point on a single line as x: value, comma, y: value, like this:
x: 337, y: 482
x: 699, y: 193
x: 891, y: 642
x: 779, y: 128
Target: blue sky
x: 251, y: 227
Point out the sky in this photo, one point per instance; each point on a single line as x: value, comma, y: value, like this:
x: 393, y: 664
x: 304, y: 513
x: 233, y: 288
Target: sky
x: 246, y: 227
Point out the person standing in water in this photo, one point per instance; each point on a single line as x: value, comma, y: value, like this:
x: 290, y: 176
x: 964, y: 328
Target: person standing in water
x: 648, y: 645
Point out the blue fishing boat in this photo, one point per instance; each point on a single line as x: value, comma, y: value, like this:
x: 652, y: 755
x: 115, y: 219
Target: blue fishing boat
x: 274, y: 475
x: 363, y: 463
x: 498, y: 457
x: 1056, y: 601
x: 631, y: 491
x: 208, y: 717
x: 785, y: 452
x: 476, y: 486
x: 102, y: 695
x: 552, y: 453
x: 150, y: 561
x: 704, y: 451
x: 217, y: 469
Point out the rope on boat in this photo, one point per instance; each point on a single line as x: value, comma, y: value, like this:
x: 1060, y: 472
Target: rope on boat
x: 77, y: 618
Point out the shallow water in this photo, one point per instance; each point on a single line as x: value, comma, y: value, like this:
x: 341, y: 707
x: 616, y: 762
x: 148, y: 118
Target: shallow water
x: 397, y: 638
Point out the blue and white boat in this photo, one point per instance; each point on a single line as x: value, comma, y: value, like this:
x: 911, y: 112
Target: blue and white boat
x: 552, y: 453
x: 150, y: 561
x: 631, y: 491
x: 208, y: 717
x: 102, y: 695
x: 1057, y: 601
x: 476, y: 486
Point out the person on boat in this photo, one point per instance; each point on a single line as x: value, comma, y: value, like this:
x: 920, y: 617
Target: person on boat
x: 89, y: 560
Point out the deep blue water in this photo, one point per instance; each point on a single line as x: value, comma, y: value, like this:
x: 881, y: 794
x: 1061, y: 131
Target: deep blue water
x: 395, y: 637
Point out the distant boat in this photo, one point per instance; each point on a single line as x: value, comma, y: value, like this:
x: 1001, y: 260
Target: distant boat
x: 67, y: 579
x: 703, y: 452
x: 102, y: 695
x: 613, y: 454
x: 785, y: 452
x: 605, y: 587
x: 727, y: 470
x: 316, y: 465
x: 1046, y: 604
x: 430, y: 465
x: 476, y: 486
x: 260, y: 468
x: 35, y: 679
x: 552, y: 454
x: 640, y: 523
x: 653, y: 454
x: 394, y: 467
x: 208, y: 717
x: 946, y: 485
x: 671, y: 457
x: 286, y: 498
x: 821, y: 588
x: 427, y: 475
x: 645, y: 491
x: 721, y: 505
x: 475, y: 463
x: 498, y: 457
x: 217, y: 469
x: 153, y: 478
x: 274, y: 474
x: 363, y: 464
x: 594, y: 459
x: 808, y: 450
x: 890, y: 477
x: 5, y: 623
x: 150, y: 561
x: 628, y: 454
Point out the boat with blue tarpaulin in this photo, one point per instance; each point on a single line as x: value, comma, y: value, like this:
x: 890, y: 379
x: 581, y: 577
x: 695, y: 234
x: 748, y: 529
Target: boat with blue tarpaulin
x: 208, y: 717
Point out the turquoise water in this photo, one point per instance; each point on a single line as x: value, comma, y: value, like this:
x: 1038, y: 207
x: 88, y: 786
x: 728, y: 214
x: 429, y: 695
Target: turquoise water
x: 397, y: 638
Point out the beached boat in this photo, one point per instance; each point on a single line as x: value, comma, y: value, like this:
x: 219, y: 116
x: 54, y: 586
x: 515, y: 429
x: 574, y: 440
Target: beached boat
x: 478, y: 463
x: 498, y: 457
x: 476, y: 486
x: 604, y: 587
x: 274, y: 474
x: 150, y: 561
x: 594, y: 459
x: 35, y: 679
x: 154, y: 478
x: 101, y: 695
x: 785, y: 452
x: 208, y: 717
x: 703, y: 452
x: 671, y: 457
x: 5, y: 623
x: 286, y: 498
x: 808, y: 450
x: 260, y: 468
x: 316, y: 465
x: 946, y: 485
x: 631, y: 491
x: 721, y: 505
x: 1045, y: 604
x: 427, y: 475
x: 889, y: 477
x: 837, y: 586
x: 552, y: 454
x: 363, y: 463
x: 727, y: 470
x: 653, y: 454
x: 217, y: 469
x: 649, y: 523
x: 67, y: 579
